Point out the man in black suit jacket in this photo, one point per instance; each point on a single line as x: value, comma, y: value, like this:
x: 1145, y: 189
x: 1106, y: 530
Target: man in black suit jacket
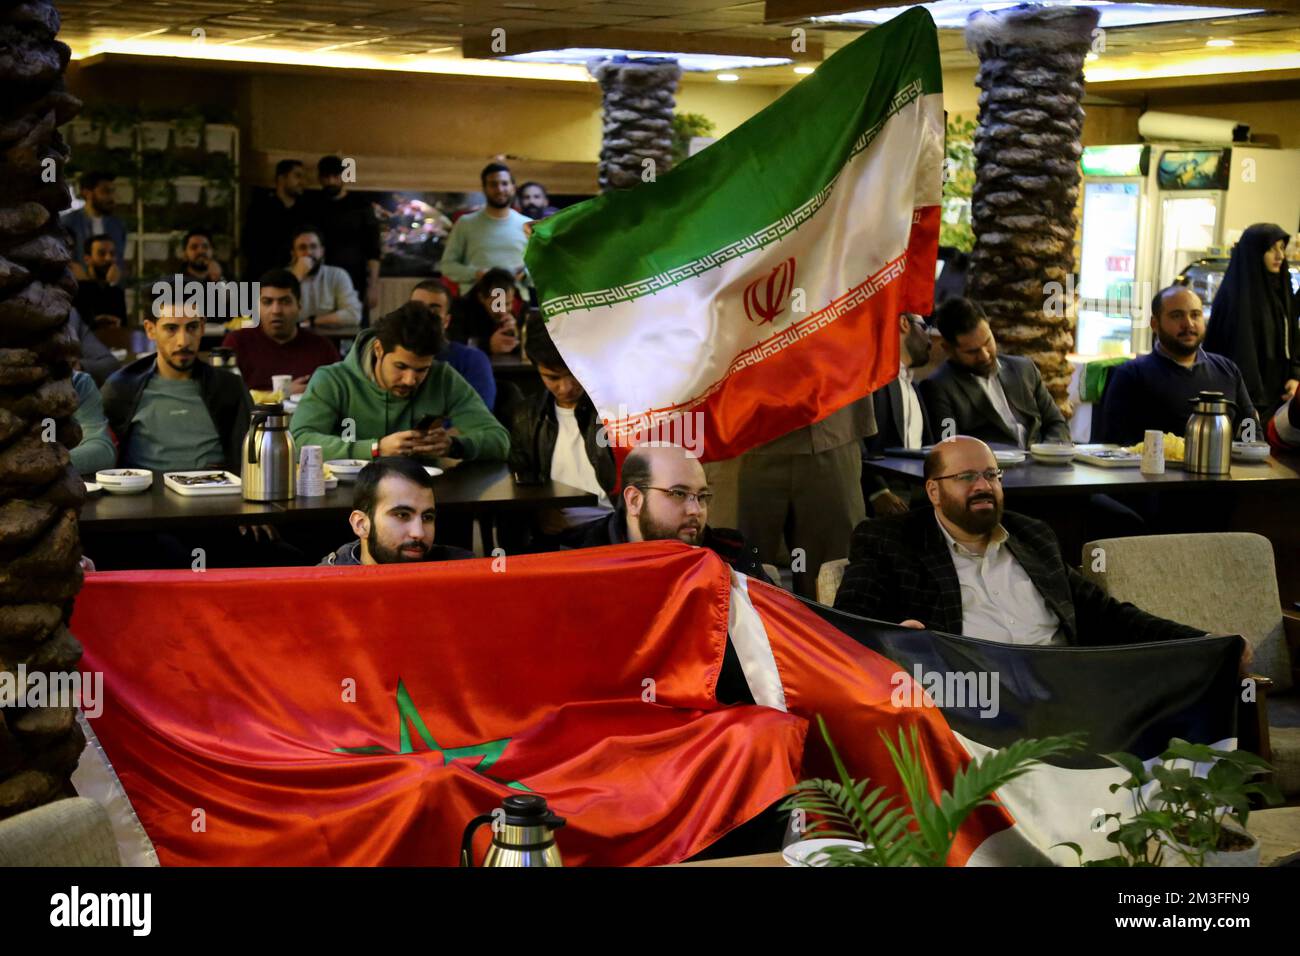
x: 897, y: 406
x: 998, y: 400
x: 965, y: 567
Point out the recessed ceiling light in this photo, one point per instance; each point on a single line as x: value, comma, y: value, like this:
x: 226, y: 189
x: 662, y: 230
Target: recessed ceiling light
x: 804, y: 70
x: 954, y: 13
x: 1219, y: 43
x: 727, y: 77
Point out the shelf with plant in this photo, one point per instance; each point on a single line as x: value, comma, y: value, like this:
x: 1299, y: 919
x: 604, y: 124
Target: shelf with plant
x: 920, y: 833
x: 1183, y: 819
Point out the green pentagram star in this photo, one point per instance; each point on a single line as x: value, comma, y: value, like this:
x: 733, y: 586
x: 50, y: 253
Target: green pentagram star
x: 408, y: 716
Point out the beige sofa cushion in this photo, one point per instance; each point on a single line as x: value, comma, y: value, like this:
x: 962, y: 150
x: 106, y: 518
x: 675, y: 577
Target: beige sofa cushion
x: 1225, y: 583
x: 72, y: 832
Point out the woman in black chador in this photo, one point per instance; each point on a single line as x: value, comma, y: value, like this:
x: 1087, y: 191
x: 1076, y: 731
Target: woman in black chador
x: 1253, y: 319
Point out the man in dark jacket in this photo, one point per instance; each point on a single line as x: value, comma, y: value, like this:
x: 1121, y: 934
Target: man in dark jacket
x: 1000, y: 400
x: 558, y: 435
x: 901, y: 421
x: 666, y: 496
x: 172, y: 412
x: 965, y: 567
x: 393, y: 517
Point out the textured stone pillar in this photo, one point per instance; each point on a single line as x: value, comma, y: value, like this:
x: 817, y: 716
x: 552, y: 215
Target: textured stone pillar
x: 40, y: 495
x: 1027, y: 177
x: 638, y: 104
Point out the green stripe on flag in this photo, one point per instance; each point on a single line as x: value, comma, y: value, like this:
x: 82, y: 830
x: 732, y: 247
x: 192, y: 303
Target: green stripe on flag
x: 746, y: 184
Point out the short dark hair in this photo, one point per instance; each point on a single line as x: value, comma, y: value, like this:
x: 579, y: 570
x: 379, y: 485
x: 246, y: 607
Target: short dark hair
x: 1158, y: 303
x: 98, y: 237
x: 494, y: 278
x: 329, y: 166
x: 533, y: 182
x: 636, y: 469
x: 413, y: 327
x: 491, y: 168
x: 285, y: 166
x: 92, y: 178
x: 303, y: 230
x: 365, y: 496
x: 541, y: 347
x: 956, y: 317
x: 932, y: 462
x: 433, y: 285
x: 281, y: 279
x: 197, y: 231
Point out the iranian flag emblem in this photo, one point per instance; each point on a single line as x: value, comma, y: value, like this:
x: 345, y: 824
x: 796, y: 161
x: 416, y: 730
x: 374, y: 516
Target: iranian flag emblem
x: 759, y: 282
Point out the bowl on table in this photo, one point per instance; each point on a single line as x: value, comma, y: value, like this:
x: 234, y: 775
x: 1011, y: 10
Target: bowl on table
x: 346, y: 469
x: 1052, y: 453
x: 810, y: 852
x: 1250, y: 450
x: 124, y: 481
x: 1007, y: 456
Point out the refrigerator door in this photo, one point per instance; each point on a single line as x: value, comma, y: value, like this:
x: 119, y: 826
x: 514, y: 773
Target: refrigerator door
x: 1108, y: 266
x: 1189, y: 230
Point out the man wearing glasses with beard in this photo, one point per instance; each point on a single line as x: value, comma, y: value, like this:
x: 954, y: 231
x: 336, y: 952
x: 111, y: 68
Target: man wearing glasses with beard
x: 967, y: 567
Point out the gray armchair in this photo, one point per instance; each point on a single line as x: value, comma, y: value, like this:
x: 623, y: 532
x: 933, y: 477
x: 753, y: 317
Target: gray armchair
x: 1226, y: 584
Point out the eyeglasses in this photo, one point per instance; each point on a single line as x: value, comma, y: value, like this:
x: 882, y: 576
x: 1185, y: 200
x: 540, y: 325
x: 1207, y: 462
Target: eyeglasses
x: 679, y: 497
x: 970, y: 477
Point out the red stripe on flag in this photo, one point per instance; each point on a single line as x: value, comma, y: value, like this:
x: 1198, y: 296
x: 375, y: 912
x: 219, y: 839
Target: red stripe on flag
x: 824, y: 671
x: 922, y: 257
x: 806, y: 380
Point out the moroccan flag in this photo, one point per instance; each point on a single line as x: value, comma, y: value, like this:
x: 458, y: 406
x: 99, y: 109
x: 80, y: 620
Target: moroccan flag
x: 759, y: 283
x: 247, y: 720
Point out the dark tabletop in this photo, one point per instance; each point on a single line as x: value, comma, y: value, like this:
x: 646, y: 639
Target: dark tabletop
x: 472, y: 488
x: 1031, y: 478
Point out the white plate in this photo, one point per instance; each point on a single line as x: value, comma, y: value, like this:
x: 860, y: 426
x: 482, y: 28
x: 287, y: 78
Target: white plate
x: 116, y: 481
x: 804, y: 853
x: 231, y: 486
x: 433, y: 470
x: 124, y: 476
x: 1251, y: 451
x: 1053, y: 459
x: 346, y: 467
x: 1008, y: 457
x: 93, y: 487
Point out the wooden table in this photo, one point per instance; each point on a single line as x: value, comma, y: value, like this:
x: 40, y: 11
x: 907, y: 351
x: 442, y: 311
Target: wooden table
x: 1278, y: 832
x: 1079, y: 478
x: 473, y: 488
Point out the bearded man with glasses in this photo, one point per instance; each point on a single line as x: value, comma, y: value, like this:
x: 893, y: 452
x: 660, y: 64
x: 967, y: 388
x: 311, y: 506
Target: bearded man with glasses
x: 666, y: 495
x: 967, y: 567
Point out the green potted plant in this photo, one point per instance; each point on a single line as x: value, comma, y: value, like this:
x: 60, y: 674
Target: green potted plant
x: 958, y: 185
x: 1188, y: 820
x: 922, y: 833
x: 685, y: 127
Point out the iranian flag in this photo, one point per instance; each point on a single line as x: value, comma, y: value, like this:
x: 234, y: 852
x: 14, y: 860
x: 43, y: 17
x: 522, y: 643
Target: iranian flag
x: 759, y: 282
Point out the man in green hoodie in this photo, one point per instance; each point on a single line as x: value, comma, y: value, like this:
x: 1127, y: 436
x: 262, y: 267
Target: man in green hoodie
x: 391, y: 396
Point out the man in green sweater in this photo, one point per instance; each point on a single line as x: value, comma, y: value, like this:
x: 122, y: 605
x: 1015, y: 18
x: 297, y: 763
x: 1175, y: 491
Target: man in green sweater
x: 391, y: 396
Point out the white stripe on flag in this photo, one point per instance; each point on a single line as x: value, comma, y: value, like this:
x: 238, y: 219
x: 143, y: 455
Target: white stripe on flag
x: 749, y: 638
x: 1056, y: 805
x: 95, y: 779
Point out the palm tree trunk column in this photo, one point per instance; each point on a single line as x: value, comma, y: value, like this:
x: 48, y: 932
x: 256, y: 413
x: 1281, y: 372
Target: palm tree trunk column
x: 638, y: 103
x: 1027, y: 178
x: 40, y: 494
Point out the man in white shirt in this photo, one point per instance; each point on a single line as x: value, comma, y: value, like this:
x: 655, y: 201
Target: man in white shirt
x: 329, y: 300
x: 965, y: 566
x: 557, y: 435
x: 901, y: 420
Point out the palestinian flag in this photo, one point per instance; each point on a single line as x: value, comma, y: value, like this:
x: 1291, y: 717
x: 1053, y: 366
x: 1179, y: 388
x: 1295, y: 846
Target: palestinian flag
x: 759, y: 282
x: 1130, y: 698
